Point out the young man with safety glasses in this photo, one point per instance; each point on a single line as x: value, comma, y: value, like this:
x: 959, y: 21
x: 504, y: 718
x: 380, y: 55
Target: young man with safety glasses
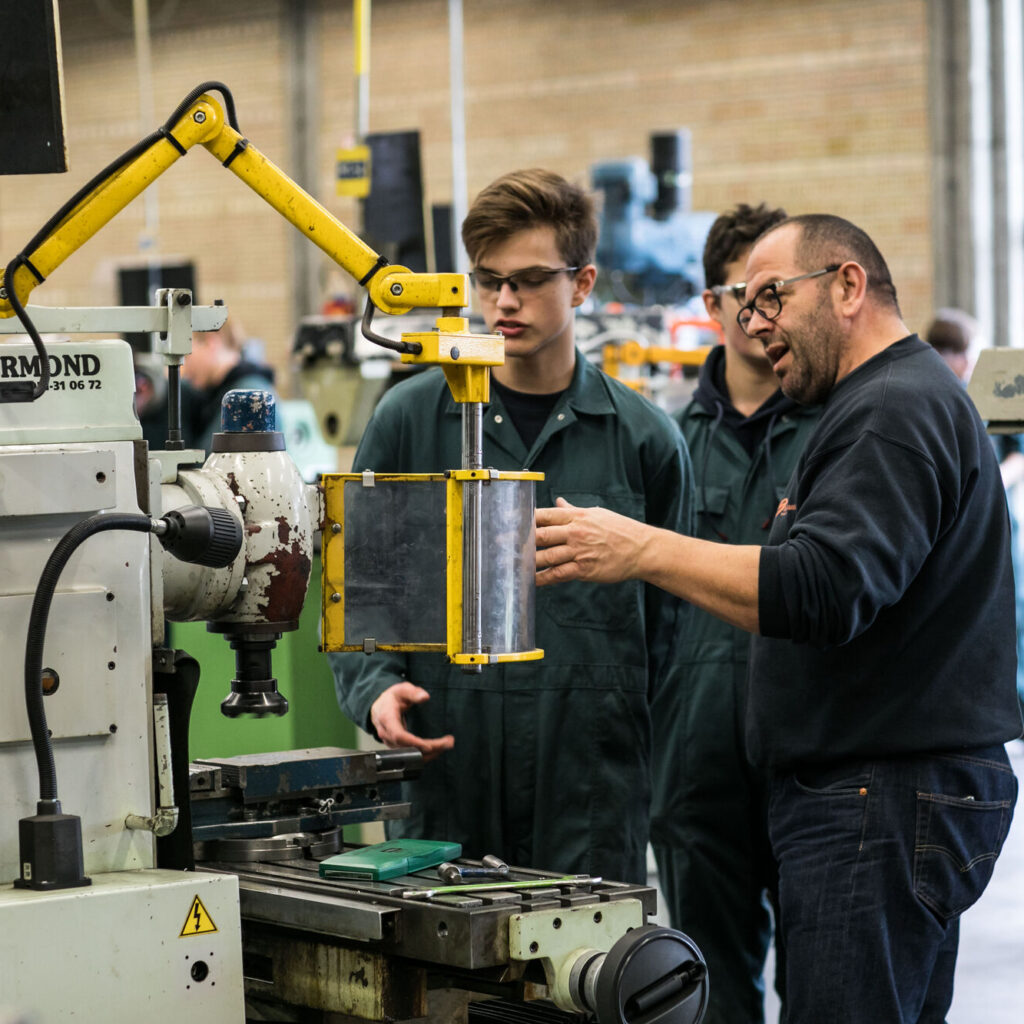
x: 882, y: 671
x: 546, y: 763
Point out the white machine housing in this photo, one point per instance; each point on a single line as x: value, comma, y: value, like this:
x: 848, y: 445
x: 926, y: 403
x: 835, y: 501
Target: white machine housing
x: 166, y: 943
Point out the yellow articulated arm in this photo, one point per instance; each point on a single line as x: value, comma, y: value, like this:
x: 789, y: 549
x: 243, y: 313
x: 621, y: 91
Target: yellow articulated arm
x: 391, y: 289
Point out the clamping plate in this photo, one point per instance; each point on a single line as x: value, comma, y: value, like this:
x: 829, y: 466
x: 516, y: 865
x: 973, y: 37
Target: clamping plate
x: 553, y: 934
x: 566, y: 940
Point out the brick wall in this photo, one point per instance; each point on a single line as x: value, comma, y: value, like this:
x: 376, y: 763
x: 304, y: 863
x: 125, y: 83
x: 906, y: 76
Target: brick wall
x: 817, y: 105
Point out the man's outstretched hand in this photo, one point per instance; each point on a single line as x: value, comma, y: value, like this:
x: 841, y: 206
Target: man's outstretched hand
x: 591, y: 544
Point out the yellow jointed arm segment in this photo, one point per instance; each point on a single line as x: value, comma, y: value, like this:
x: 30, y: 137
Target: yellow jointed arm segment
x: 100, y: 206
x: 392, y: 289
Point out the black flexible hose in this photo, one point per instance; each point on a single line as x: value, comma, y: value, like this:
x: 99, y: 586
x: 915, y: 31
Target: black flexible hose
x: 22, y: 390
x: 414, y: 348
x: 125, y: 158
x: 229, y: 103
x: 37, y: 632
x: 18, y: 390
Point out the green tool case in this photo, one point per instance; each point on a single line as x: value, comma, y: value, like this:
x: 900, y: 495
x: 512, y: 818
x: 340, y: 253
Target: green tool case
x: 388, y: 860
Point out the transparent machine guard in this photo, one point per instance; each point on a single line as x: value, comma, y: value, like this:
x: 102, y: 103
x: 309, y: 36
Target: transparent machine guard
x: 508, y: 543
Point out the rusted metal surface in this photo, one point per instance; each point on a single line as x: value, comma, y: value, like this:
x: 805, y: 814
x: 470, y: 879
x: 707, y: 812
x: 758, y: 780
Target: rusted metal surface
x: 278, y: 526
x: 333, y: 978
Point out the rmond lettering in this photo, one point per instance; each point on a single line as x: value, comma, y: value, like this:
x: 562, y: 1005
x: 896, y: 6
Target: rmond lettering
x: 82, y: 364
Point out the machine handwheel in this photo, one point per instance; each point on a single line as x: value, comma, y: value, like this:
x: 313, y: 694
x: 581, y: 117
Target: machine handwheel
x: 652, y: 974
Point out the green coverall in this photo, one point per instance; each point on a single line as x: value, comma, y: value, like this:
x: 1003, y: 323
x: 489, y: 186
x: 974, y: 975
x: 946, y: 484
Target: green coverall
x: 708, y: 824
x: 551, y: 764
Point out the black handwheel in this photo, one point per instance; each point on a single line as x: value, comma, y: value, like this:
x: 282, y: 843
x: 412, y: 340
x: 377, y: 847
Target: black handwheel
x: 652, y: 974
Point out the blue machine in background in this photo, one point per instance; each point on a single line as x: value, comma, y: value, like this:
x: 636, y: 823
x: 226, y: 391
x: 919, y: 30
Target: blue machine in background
x: 651, y: 243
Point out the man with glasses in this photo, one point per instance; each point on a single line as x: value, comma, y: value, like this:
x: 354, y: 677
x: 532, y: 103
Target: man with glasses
x: 709, y: 821
x: 544, y: 763
x: 881, y: 688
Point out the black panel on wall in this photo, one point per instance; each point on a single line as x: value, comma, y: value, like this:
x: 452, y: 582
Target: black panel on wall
x: 444, y: 258
x: 393, y: 222
x: 31, y: 116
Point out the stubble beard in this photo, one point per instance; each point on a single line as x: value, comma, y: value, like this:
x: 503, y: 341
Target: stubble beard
x: 813, y: 358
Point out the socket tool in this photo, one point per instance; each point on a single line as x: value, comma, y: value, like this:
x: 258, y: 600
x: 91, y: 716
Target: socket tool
x: 490, y: 867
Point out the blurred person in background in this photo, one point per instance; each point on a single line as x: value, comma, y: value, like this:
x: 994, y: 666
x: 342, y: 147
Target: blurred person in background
x: 709, y: 825
x: 218, y: 364
x: 956, y: 336
x: 151, y: 390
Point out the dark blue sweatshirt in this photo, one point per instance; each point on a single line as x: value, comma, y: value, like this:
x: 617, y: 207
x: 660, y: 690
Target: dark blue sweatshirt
x: 886, y: 595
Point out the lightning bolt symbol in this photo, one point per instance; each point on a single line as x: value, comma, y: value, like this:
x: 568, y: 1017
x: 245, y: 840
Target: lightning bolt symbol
x: 197, y: 915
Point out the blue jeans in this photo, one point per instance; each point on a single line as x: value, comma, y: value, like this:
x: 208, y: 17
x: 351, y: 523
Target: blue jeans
x: 877, y: 860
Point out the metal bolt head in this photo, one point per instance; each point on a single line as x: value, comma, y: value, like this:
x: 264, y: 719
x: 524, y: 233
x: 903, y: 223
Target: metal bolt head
x: 455, y: 352
x: 335, y: 597
x: 336, y: 528
x: 3, y: 293
x: 199, y: 117
x: 396, y: 289
x: 184, y: 300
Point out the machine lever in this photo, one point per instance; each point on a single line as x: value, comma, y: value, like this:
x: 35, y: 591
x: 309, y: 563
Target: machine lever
x: 533, y: 883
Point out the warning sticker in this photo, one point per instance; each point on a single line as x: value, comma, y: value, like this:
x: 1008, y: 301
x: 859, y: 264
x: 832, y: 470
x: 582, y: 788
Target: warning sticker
x: 198, y: 921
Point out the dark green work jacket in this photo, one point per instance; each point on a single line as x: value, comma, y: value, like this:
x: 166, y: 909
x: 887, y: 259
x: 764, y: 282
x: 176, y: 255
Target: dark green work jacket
x: 699, y: 710
x: 552, y: 758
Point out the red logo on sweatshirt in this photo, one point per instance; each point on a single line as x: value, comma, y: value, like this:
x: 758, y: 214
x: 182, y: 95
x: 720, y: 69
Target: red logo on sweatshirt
x: 784, y: 506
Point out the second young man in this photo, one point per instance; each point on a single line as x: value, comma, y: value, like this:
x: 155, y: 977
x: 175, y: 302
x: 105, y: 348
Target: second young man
x: 709, y: 825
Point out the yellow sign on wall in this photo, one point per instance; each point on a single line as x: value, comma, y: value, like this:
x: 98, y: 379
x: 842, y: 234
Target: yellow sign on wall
x: 352, y: 172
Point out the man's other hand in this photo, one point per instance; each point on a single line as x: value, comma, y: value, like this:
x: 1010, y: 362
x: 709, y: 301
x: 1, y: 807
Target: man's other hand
x: 387, y: 713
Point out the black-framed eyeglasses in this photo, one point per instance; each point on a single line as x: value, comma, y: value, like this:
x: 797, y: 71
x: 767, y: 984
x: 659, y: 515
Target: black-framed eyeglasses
x: 530, y: 279
x: 737, y: 291
x: 768, y: 303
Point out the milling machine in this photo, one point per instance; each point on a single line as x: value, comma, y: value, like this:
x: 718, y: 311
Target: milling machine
x: 103, y: 910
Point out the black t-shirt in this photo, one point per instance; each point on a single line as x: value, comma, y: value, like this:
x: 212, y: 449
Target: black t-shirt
x: 528, y: 412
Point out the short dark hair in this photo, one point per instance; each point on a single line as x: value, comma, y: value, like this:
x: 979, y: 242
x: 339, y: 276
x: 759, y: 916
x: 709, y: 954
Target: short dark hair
x: 732, y: 234
x: 952, y: 331
x: 528, y: 199
x: 826, y: 239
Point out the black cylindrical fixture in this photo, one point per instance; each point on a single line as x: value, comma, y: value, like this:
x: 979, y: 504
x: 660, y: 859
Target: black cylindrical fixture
x: 671, y: 165
x: 202, y: 535
x: 174, y: 436
x: 254, y: 688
